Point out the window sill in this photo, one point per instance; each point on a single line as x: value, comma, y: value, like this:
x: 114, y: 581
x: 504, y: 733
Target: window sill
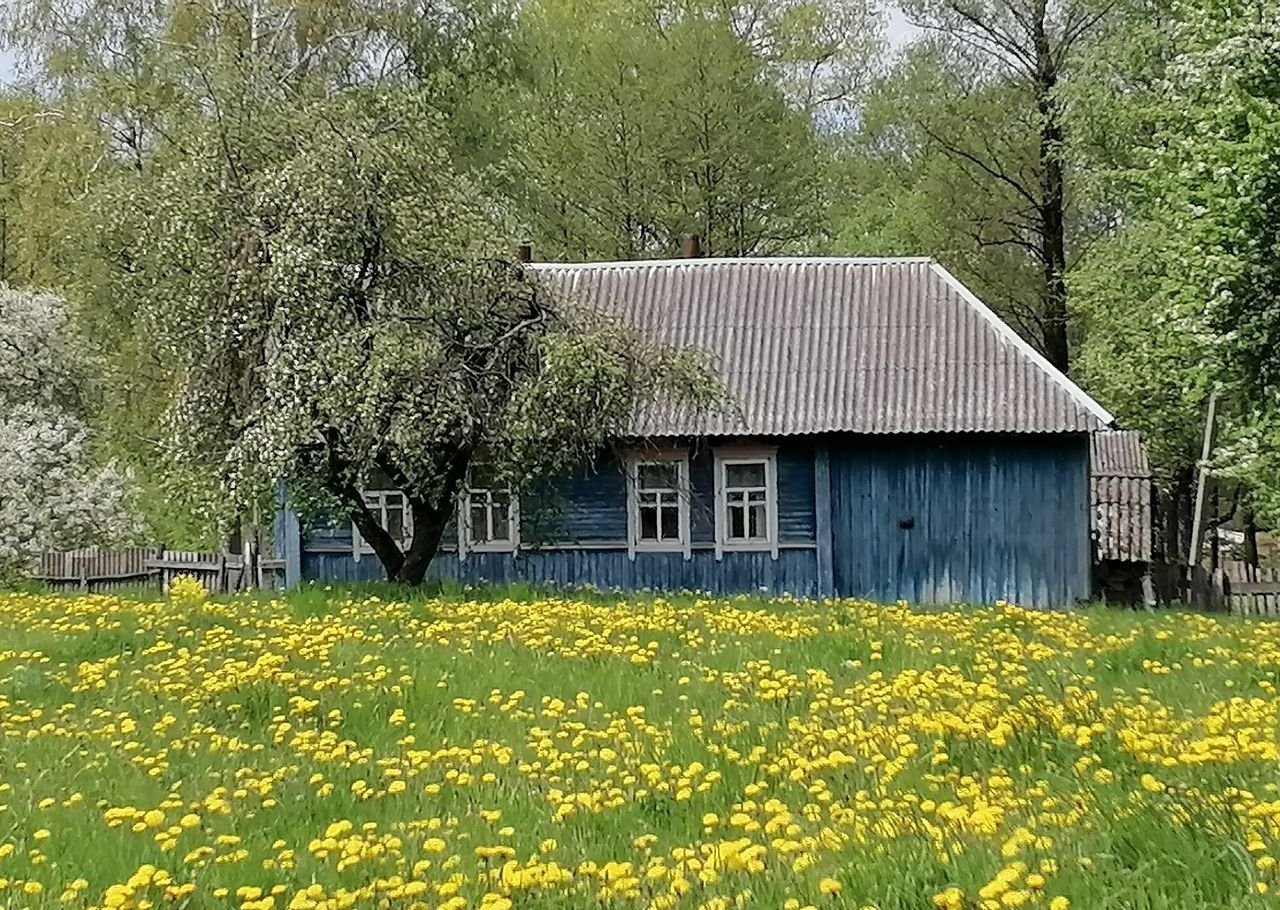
x: 489, y: 548
x: 754, y: 547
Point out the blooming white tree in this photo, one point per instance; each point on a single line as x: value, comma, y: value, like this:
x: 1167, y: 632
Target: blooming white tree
x: 53, y: 493
x: 335, y: 303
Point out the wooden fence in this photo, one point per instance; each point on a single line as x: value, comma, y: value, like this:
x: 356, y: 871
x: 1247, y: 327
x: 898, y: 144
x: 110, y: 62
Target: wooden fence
x: 1252, y: 591
x: 153, y: 568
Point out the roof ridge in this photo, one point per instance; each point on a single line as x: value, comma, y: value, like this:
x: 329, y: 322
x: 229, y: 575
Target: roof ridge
x: 737, y: 260
x: 1083, y: 398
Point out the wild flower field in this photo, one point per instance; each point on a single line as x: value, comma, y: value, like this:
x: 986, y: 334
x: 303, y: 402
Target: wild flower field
x: 330, y: 751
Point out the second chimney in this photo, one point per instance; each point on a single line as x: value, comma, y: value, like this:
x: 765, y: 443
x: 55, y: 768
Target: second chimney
x: 690, y: 246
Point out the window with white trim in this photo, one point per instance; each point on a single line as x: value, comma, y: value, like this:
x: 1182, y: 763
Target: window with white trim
x: 392, y: 511
x: 659, y: 501
x: 748, y: 507
x: 490, y: 518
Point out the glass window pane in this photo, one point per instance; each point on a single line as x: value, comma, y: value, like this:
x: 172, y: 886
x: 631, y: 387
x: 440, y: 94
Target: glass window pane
x: 755, y: 496
x: 648, y: 523
x: 501, y: 520
x: 745, y: 475
x: 647, y: 499
x: 479, y: 521
x: 394, y: 522
x: 658, y: 475
x: 737, y: 523
x: 756, y: 524
x: 670, y: 523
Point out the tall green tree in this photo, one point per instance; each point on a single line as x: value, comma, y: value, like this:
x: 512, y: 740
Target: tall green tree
x: 898, y: 191
x: 977, y: 108
x: 121, y: 96
x: 648, y: 119
x: 1181, y: 295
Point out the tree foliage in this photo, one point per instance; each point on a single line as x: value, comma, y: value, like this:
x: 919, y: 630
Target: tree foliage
x: 288, y: 225
x: 648, y: 119
x: 978, y: 109
x: 53, y: 492
x: 1182, y: 296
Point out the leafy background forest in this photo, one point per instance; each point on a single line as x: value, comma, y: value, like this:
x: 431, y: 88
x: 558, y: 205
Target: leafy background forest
x: 1104, y: 173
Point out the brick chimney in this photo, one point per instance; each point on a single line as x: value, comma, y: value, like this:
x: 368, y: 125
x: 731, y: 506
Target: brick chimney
x: 690, y: 246
x: 524, y: 252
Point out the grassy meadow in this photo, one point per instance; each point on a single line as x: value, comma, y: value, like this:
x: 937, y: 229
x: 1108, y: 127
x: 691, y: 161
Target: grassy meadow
x: 521, y: 750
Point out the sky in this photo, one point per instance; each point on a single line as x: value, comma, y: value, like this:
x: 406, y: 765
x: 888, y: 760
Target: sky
x: 899, y: 32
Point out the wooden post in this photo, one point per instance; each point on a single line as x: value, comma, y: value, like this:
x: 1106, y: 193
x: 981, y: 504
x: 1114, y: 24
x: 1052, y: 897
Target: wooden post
x: 1202, y: 482
x: 1250, y: 543
x: 292, y: 550
x: 1215, y: 539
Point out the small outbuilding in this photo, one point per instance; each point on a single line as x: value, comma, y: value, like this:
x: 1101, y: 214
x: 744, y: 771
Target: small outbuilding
x: 1122, y: 491
x: 889, y: 438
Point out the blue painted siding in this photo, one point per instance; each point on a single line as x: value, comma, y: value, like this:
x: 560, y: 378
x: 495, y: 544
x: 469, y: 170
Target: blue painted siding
x: 590, y: 506
x: 994, y: 518
x: 793, y: 572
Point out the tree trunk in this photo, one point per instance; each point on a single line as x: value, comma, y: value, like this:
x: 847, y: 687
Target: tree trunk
x: 1186, y: 508
x: 1052, y: 208
x: 429, y: 518
x: 1177, y: 537
x: 428, y: 528
x: 383, y: 544
x: 1169, y: 545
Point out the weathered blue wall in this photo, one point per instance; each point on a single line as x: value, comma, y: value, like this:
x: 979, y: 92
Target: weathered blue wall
x: 994, y: 518
x: 581, y: 538
x: 794, y: 571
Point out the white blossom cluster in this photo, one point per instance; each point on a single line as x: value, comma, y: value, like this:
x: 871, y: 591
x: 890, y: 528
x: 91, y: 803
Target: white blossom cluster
x: 53, y: 493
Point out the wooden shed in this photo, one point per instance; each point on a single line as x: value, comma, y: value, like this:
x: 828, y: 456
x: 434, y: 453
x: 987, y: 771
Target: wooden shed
x: 1121, y: 490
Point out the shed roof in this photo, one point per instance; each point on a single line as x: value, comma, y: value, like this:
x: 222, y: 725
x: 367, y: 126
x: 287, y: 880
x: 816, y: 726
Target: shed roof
x: 1121, y: 491
x: 814, y: 345
x: 1118, y: 453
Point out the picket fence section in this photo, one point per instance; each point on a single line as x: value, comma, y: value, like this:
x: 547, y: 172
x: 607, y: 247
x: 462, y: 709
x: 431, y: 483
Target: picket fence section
x: 1252, y: 591
x: 130, y: 568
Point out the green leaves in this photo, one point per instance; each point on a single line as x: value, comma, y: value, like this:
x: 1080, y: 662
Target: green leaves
x: 1181, y: 297
x: 648, y: 119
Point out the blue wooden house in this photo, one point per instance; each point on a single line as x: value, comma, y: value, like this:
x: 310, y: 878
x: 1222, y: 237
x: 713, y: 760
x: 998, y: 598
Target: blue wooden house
x: 889, y: 438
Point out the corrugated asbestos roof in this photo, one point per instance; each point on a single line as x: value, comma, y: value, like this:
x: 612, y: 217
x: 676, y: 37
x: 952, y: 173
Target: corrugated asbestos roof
x: 1118, y: 453
x: 1121, y: 489
x: 834, y: 345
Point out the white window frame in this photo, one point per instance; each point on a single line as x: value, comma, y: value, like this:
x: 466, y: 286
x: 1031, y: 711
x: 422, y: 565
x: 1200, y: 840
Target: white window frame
x: 724, y: 459
x: 378, y: 505
x: 683, y: 543
x: 465, y: 542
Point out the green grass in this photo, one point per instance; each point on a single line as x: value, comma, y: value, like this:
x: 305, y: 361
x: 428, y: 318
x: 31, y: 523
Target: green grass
x: 1129, y: 759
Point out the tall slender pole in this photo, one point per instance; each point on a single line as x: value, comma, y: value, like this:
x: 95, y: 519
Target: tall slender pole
x: 1202, y: 482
